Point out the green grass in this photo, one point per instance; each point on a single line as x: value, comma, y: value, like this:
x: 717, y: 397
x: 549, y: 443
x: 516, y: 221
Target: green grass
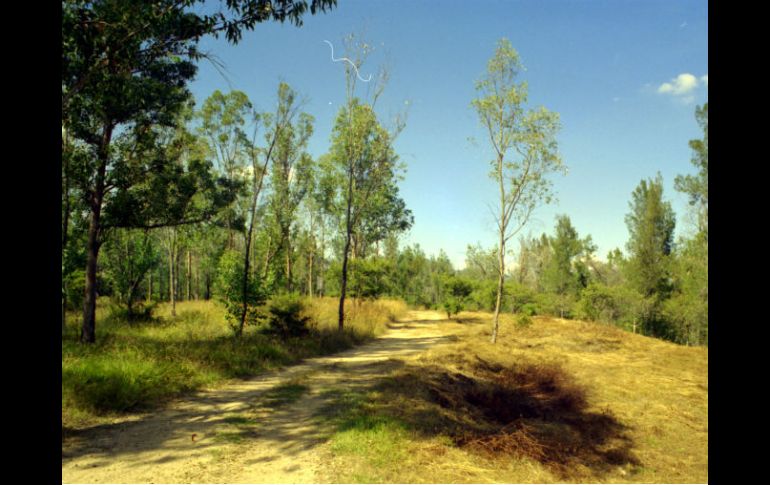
x: 135, y: 366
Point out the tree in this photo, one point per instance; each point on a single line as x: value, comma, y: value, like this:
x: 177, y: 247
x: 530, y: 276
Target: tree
x: 279, y: 130
x: 565, y: 273
x: 362, y: 171
x: 530, y: 134
x: 125, y: 66
x: 651, y: 231
x: 697, y: 186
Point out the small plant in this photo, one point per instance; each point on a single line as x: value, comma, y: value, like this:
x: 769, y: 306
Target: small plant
x: 523, y: 320
x: 285, y: 316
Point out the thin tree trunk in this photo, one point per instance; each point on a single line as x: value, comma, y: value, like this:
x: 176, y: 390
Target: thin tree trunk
x: 501, y: 250
x: 344, y: 283
x: 171, y: 279
x: 88, y: 332
x: 310, y: 275
x: 189, y: 274
x: 288, y: 263
x: 64, y: 236
x: 149, y: 287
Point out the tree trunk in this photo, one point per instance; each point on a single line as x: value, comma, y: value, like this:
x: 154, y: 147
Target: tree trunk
x: 288, y: 264
x: 501, y: 250
x: 189, y: 274
x: 88, y: 332
x: 149, y: 287
x: 171, y: 280
x: 310, y: 275
x: 348, y: 230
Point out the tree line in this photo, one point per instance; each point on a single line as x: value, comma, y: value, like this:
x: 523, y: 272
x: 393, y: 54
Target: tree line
x: 164, y: 200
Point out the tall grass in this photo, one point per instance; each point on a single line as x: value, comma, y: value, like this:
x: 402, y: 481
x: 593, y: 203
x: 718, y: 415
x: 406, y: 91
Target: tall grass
x: 136, y: 365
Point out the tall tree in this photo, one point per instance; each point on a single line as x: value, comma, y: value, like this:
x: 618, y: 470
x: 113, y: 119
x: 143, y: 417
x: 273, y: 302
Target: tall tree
x: 651, y: 232
x: 525, y: 148
x: 697, y: 186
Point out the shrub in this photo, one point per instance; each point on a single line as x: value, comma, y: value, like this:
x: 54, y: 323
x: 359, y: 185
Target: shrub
x: 458, y: 290
x: 285, y: 316
x: 75, y: 284
x: 528, y: 309
x: 556, y: 305
x: 229, y: 289
x: 523, y: 320
x: 519, y: 295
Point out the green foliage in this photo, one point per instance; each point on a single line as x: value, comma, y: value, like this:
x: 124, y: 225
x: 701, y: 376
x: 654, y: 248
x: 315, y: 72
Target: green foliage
x: 554, y: 304
x: 129, y: 255
x: 230, y: 290
x: 520, y: 295
x: 75, y: 284
x: 523, y: 320
x: 457, y: 290
x: 529, y: 309
x: 619, y: 305
x: 285, y: 315
x: 484, y: 296
x: 697, y: 186
x: 368, y: 278
x: 651, y: 230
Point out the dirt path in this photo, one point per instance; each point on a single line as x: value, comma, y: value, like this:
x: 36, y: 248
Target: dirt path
x: 241, y: 434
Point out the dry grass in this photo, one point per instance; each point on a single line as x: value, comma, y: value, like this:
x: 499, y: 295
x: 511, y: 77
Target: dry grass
x: 363, y: 317
x: 559, y: 401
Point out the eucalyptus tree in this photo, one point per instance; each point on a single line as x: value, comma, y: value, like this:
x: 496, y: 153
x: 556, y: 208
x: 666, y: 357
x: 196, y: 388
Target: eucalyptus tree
x: 291, y: 179
x: 362, y: 166
x: 697, y: 186
x: 276, y: 125
x: 125, y: 67
x: 225, y: 120
x: 525, y: 149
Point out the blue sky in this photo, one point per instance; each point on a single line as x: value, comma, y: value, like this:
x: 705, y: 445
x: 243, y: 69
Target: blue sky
x: 625, y: 77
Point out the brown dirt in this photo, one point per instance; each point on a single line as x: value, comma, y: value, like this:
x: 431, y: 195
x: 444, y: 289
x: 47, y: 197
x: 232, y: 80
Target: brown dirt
x: 237, y: 434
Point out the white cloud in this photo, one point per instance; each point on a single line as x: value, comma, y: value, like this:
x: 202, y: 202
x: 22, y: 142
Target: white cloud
x: 682, y: 85
x: 705, y: 79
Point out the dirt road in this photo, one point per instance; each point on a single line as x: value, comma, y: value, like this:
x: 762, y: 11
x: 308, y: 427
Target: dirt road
x: 263, y: 430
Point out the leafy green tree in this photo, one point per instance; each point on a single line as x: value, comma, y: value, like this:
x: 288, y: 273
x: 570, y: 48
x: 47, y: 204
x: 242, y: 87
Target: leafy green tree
x: 361, y: 171
x: 651, y: 231
x: 565, y: 272
x: 224, y: 122
x: 458, y: 290
x: 525, y: 148
x: 291, y: 180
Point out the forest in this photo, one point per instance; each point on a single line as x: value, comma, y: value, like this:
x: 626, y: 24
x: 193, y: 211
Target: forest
x: 207, y: 224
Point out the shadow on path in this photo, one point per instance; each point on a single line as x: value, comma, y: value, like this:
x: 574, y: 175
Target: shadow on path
x: 164, y: 445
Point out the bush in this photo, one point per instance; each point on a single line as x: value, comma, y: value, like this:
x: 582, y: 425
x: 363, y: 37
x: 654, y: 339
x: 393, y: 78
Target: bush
x: 75, y: 284
x: 555, y: 305
x: 229, y: 289
x: 484, y: 296
x: 519, y: 295
x: 285, y: 316
x: 528, y: 309
x: 523, y: 320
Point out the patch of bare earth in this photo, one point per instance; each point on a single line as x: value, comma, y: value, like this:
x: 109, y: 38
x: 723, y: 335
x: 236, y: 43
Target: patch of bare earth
x: 262, y: 430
